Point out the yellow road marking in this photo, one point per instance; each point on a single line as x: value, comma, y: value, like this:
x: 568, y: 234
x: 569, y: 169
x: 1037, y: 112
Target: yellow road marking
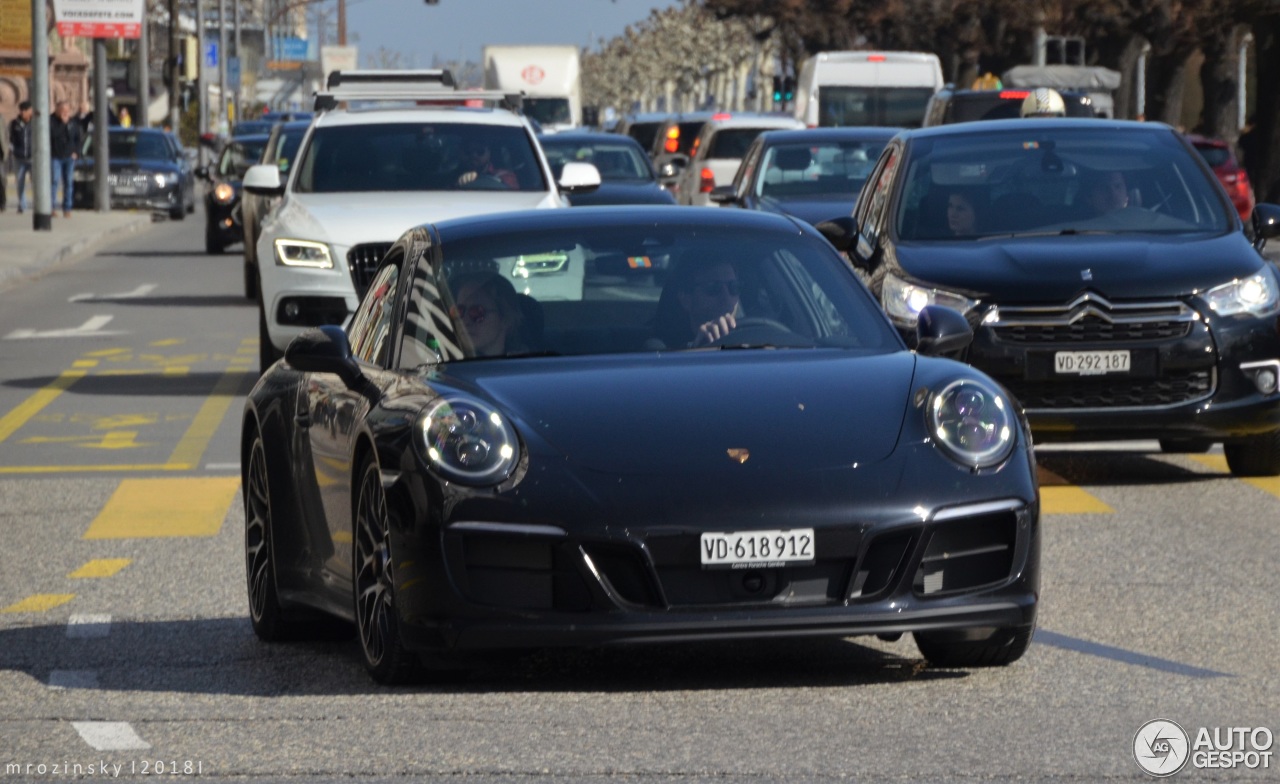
x: 101, y: 567
x: 39, y: 603
x: 147, y: 508
x: 167, y: 342
x: 59, y: 469
x: 205, y: 423
x: 34, y: 404
x: 1058, y: 496
x: 1267, y: 484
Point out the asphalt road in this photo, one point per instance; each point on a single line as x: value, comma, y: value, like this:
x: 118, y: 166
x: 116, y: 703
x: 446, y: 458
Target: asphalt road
x: 124, y: 638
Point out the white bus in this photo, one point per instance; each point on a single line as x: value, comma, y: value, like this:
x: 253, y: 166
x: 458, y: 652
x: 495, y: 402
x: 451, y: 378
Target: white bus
x: 867, y: 88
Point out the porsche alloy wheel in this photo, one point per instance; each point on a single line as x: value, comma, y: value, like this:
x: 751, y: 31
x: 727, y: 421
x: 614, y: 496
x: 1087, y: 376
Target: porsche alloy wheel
x: 949, y: 649
x: 385, y: 656
x: 269, y: 621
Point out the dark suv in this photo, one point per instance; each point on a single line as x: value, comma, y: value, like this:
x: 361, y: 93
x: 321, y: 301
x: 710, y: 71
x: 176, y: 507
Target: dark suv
x: 1109, y: 281
x: 950, y: 105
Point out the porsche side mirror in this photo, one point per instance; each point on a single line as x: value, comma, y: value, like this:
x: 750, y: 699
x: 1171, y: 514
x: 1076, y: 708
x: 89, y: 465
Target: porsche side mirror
x: 263, y: 180
x: 323, y: 350
x: 723, y: 194
x: 941, y: 331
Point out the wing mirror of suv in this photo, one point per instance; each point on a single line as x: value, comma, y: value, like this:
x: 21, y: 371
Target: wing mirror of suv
x: 263, y: 179
x: 323, y: 350
x: 841, y: 232
x: 579, y: 177
x: 941, y: 331
x: 1266, y: 223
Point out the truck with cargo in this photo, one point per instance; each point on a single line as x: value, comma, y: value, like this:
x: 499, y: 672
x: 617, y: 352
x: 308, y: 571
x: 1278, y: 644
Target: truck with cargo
x: 549, y: 77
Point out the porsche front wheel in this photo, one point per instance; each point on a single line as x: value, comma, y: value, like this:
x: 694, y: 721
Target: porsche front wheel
x: 270, y: 622
x: 377, y: 621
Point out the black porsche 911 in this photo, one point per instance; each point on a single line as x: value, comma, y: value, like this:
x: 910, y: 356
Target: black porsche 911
x: 628, y: 424
x: 1113, y: 289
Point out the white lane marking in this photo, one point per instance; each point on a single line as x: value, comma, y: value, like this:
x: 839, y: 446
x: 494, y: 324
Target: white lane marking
x: 73, y: 679
x: 82, y: 626
x: 91, y: 328
x: 141, y: 291
x: 109, y: 735
x: 222, y: 466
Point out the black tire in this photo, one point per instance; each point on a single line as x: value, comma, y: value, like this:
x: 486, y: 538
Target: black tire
x: 374, y: 591
x: 267, y: 352
x: 947, y: 649
x: 270, y: 622
x: 250, y: 281
x: 1255, y: 456
x: 1188, y: 446
x: 212, y: 245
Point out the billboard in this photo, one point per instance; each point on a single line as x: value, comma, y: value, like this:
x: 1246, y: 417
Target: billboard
x: 99, y: 18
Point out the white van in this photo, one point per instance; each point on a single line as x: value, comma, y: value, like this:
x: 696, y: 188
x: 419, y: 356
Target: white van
x: 867, y: 88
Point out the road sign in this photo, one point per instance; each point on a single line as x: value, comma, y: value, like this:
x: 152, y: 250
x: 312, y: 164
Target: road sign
x: 233, y: 74
x: 98, y: 18
x: 210, y: 54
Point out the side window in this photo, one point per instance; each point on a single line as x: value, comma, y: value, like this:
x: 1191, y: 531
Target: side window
x: 747, y: 171
x: 874, y: 201
x: 371, y: 323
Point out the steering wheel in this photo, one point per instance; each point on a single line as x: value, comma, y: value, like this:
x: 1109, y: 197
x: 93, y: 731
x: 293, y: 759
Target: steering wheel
x: 485, y: 182
x: 756, y: 330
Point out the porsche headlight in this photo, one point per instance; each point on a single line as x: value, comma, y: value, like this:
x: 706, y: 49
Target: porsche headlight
x: 973, y: 423
x: 903, y: 301
x: 469, y: 442
x: 1255, y: 294
x: 223, y: 193
x: 303, y: 253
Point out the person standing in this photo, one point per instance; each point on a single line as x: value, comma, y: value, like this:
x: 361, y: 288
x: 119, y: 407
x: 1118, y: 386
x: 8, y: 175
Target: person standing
x: 5, y: 157
x: 20, y: 150
x: 65, y: 138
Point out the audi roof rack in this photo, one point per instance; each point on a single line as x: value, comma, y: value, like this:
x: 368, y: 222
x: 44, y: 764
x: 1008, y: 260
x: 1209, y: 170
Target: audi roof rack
x: 420, y: 86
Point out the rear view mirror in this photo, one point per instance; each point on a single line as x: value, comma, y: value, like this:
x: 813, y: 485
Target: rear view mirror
x: 841, y: 232
x: 723, y: 194
x: 263, y: 180
x: 941, y: 331
x: 579, y: 177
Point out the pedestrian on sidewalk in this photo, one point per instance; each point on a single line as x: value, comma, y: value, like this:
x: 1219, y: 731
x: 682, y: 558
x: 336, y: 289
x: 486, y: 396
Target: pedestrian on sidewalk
x: 20, y: 150
x: 5, y: 158
x: 65, y: 139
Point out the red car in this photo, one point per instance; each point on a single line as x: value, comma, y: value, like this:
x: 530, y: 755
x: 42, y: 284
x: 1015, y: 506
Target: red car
x: 1220, y: 157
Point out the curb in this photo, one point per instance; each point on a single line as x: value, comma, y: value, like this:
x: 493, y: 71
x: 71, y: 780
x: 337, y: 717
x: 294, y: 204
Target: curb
x: 73, y: 249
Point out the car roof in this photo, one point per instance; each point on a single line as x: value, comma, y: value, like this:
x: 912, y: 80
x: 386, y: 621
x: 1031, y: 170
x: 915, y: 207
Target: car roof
x: 640, y: 216
x: 595, y: 137
x: 755, y: 121
x: 831, y: 134
x: 420, y: 114
x: 251, y: 137
x: 978, y: 127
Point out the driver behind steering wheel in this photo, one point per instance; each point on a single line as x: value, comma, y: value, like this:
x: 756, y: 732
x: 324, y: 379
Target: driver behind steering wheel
x: 699, y: 306
x: 478, y: 162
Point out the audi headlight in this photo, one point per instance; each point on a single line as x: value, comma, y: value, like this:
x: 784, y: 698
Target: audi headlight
x: 223, y: 193
x: 973, y: 423
x: 303, y: 253
x: 469, y: 442
x: 1255, y: 294
x: 903, y: 301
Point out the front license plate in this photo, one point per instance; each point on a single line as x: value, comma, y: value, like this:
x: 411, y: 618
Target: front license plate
x: 1091, y: 363
x: 126, y: 190
x: 743, y: 549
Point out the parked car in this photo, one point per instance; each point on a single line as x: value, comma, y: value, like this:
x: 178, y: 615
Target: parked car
x: 1113, y: 289
x: 717, y: 151
x: 950, y: 105
x: 626, y: 174
x: 366, y: 174
x: 479, y: 486
x: 148, y: 170
x: 814, y: 174
x: 222, y: 203
x: 1220, y: 157
x: 281, y: 149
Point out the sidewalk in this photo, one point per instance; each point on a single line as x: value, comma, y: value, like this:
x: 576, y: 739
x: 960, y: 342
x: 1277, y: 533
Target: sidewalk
x: 25, y: 252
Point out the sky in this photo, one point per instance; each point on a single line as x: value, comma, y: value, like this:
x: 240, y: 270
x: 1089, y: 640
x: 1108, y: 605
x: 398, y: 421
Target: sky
x: 459, y: 29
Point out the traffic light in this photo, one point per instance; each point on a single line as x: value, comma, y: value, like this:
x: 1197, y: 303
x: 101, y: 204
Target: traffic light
x: 788, y: 88
x: 777, y: 89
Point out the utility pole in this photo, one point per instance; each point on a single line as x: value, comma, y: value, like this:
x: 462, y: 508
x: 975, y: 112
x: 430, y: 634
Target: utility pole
x: 42, y: 163
x: 224, y: 125
x: 202, y: 86
x: 101, y: 122
x: 342, y: 22
x: 173, y: 64
x: 239, y: 59
x: 144, y: 73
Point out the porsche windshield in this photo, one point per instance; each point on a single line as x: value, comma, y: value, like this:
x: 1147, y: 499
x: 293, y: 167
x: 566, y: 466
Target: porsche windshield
x: 1056, y: 181
x: 619, y: 289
